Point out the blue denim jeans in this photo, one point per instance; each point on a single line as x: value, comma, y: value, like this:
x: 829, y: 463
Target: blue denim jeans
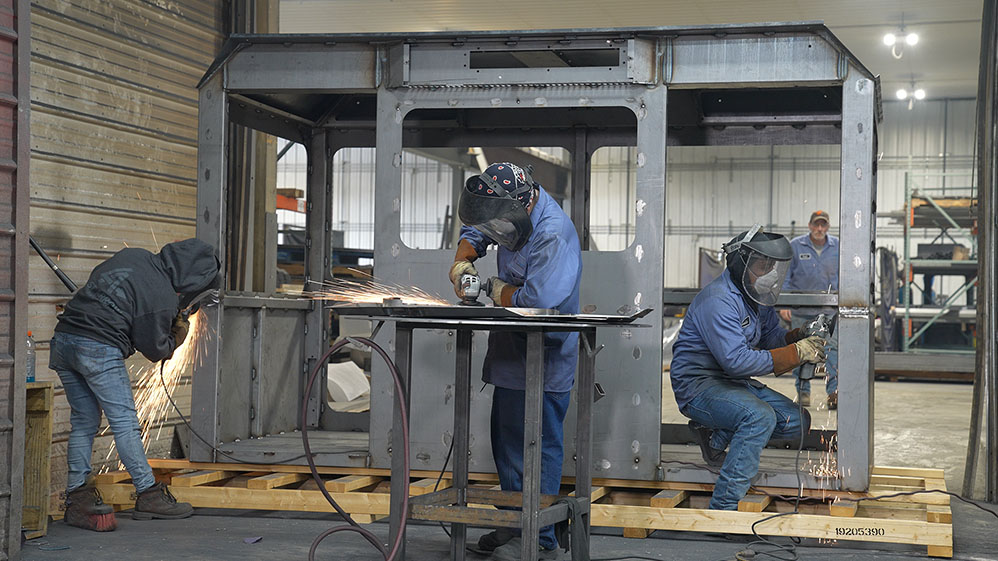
x: 744, y: 418
x: 507, y: 444
x: 831, y: 351
x: 95, y: 379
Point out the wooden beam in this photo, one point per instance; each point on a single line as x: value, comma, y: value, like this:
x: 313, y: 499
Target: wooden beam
x: 754, y: 503
x: 252, y: 499
x: 844, y: 508
x: 425, y: 486
x: 909, y: 472
x: 274, y: 480
x: 113, y: 477
x: 200, y: 478
x: 351, y: 483
x: 669, y: 498
x: 595, y: 493
x: 802, y: 525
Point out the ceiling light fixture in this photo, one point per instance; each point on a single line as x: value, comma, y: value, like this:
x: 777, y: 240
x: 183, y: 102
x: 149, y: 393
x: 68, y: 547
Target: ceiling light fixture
x: 911, y: 94
x: 897, y: 40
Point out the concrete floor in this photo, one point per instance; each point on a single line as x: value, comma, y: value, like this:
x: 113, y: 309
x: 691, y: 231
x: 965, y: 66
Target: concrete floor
x: 221, y: 536
x: 917, y: 425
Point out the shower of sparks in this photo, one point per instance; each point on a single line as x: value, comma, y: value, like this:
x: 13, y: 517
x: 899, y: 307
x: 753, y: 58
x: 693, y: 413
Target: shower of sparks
x: 371, y: 292
x: 152, y: 405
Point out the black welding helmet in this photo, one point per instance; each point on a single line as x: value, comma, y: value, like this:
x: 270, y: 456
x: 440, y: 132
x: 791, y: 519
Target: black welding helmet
x: 758, y: 262
x: 495, y: 203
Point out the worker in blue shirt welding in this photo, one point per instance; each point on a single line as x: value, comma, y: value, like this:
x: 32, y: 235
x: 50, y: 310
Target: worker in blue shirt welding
x: 540, y: 266
x: 815, y: 268
x: 730, y: 335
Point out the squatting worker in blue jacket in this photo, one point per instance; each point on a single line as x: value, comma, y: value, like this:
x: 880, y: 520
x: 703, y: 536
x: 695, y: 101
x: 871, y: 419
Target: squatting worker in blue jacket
x: 131, y: 302
x: 815, y: 268
x: 730, y: 335
x: 540, y: 266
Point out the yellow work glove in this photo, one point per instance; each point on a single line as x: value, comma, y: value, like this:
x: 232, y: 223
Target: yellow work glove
x: 811, y: 349
x: 501, y: 292
x: 458, y: 269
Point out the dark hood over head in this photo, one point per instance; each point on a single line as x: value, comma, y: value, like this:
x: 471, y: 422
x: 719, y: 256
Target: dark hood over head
x: 191, y: 264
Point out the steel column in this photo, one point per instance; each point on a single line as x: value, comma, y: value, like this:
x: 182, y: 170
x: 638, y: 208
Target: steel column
x: 855, y: 324
x: 400, y: 486
x: 533, y: 398
x: 317, y: 255
x: 212, y: 210
x: 462, y: 424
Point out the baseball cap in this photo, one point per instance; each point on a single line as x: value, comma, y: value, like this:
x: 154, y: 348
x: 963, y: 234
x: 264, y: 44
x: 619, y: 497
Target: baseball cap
x: 819, y: 215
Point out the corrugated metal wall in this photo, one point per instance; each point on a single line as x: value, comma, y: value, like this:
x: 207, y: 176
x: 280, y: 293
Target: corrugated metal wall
x: 14, y: 78
x: 113, y: 147
x: 712, y: 193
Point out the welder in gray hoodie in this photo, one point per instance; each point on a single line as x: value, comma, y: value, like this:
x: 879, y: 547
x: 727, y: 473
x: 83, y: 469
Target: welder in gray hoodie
x: 132, y: 301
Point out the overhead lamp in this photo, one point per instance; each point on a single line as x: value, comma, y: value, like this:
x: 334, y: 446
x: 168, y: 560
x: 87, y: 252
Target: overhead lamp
x: 911, y: 94
x: 897, y: 40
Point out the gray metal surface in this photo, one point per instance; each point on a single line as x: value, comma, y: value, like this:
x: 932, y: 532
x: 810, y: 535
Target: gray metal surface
x: 984, y: 412
x: 14, y: 216
x: 857, y: 231
x: 412, y: 96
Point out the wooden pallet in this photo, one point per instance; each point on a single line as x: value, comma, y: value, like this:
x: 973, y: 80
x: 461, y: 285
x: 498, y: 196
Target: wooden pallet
x: 638, y: 507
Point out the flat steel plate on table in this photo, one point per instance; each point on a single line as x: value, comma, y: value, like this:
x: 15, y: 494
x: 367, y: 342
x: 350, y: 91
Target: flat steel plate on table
x: 402, y: 310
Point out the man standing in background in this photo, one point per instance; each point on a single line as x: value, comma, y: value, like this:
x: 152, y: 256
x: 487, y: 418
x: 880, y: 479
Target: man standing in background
x: 815, y: 268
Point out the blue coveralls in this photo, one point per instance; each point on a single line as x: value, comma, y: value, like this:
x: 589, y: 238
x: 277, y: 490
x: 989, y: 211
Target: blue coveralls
x: 813, y: 272
x: 723, y: 343
x: 547, y: 269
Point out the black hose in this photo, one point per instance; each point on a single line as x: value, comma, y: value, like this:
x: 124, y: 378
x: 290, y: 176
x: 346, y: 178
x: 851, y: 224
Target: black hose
x: 70, y: 285
x: 400, y: 395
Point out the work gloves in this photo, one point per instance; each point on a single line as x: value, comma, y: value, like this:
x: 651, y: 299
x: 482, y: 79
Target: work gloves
x: 466, y: 253
x: 501, y: 292
x: 458, y: 269
x: 809, y: 349
x: 179, y: 330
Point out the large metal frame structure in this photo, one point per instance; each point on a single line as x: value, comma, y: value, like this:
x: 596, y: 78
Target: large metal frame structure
x: 578, y: 89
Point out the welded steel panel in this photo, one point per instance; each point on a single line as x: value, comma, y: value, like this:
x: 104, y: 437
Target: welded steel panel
x: 349, y: 66
x: 769, y: 59
x: 530, y: 61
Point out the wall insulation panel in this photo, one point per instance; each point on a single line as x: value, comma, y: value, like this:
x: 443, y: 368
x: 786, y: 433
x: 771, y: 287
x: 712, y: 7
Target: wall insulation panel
x: 113, y: 152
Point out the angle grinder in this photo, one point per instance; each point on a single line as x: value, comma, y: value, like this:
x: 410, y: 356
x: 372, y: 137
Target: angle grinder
x: 471, y: 286
x: 822, y: 327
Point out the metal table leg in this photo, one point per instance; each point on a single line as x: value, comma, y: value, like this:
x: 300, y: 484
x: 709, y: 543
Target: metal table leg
x: 533, y: 400
x: 462, y: 421
x: 399, y: 484
x: 584, y: 424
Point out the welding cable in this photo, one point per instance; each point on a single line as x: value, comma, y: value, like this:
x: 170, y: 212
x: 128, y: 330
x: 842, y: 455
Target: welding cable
x: 352, y: 525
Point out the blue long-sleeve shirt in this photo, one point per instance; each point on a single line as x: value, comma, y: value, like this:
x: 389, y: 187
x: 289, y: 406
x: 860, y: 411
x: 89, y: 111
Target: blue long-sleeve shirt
x: 813, y: 271
x: 723, y: 338
x: 547, y: 269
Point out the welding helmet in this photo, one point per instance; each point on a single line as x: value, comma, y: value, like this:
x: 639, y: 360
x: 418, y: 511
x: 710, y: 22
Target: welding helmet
x: 495, y: 203
x: 758, y: 263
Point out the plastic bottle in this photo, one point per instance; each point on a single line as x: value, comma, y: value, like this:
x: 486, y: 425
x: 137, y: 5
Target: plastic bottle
x: 30, y: 359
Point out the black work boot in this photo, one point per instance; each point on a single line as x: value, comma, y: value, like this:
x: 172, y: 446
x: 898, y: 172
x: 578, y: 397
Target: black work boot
x: 86, y: 509
x: 494, y: 539
x: 713, y: 456
x: 158, y: 502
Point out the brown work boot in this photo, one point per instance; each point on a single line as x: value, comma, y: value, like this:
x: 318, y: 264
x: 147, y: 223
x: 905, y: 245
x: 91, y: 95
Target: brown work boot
x: 833, y: 401
x: 158, y: 502
x: 86, y: 509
